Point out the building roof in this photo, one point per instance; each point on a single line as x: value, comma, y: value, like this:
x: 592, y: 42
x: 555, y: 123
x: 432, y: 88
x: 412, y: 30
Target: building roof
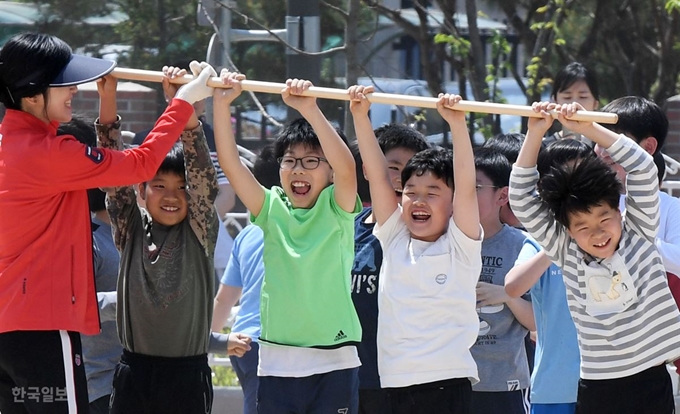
x: 28, y: 14
x: 435, y: 19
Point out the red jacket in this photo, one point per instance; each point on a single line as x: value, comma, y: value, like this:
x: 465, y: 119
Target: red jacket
x: 46, y: 274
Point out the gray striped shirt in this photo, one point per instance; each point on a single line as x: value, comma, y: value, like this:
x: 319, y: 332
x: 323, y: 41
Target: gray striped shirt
x: 647, y: 332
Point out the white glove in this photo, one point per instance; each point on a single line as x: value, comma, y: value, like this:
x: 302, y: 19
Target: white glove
x: 197, y: 89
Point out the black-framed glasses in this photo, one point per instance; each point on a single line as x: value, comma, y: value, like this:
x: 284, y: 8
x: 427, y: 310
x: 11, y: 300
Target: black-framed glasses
x: 480, y: 186
x: 308, y: 163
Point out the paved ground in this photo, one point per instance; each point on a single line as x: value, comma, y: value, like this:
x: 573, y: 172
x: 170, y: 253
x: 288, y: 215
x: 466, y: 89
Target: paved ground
x: 229, y: 400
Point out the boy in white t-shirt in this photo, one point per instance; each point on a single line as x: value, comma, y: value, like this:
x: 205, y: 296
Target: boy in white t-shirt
x: 427, y: 320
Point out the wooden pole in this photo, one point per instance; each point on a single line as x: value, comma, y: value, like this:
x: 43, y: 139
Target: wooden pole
x: 376, y: 97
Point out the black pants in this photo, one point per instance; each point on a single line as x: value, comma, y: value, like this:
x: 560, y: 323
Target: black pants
x: 148, y: 385
x: 100, y: 405
x: 42, y: 372
x: 374, y: 401
x: 441, y: 397
x: 506, y: 402
x: 649, y: 391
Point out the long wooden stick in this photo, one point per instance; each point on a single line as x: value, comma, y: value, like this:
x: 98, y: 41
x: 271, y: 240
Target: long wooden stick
x: 376, y: 97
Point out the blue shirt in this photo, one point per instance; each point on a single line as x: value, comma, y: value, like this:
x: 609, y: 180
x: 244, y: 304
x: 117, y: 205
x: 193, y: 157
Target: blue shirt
x: 368, y: 258
x: 246, y: 270
x: 556, y: 364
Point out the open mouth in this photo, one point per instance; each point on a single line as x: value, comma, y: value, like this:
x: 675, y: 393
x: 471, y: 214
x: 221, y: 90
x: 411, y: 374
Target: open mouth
x: 398, y: 193
x: 420, y: 216
x: 170, y: 209
x: 300, y: 187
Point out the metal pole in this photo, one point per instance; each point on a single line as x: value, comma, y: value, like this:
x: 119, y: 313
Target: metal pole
x: 303, y: 30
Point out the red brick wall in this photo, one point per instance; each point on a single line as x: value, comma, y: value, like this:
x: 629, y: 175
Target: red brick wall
x: 137, y: 104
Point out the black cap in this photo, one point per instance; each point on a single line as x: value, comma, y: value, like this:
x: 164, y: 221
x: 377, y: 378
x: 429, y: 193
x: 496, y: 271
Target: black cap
x: 82, y: 69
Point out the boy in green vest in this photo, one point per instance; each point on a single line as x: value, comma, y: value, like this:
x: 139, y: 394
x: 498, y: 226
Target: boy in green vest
x: 308, y: 356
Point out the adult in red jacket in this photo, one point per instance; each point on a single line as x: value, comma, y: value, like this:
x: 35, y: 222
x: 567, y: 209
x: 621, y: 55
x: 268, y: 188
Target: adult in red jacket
x: 47, y: 293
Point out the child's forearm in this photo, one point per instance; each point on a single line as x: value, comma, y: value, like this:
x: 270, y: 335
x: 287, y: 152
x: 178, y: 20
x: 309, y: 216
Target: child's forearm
x: 371, y: 154
x: 522, y: 277
x: 202, y: 188
x: 245, y: 185
x: 523, y: 312
x: 108, y: 109
x: 336, y: 151
x: 528, y: 154
x: 463, y: 158
x: 201, y: 174
x: 600, y: 135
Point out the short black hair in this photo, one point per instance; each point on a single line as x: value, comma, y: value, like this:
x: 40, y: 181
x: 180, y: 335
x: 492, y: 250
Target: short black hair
x: 394, y: 135
x: 363, y: 188
x: 299, y: 132
x: 174, y: 161
x: 570, y: 188
x: 80, y: 128
x: 83, y: 130
x: 494, y: 165
x: 561, y: 152
x: 639, y: 118
x: 29, y: 62
x: 571, y: 74
x: 266, y: 168
x: 438, y: 161
x: 660, y: 163
x: 507, y: 144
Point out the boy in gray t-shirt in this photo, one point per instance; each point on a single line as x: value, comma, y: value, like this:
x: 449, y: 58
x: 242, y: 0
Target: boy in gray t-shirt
x: 503, y: 321
x: 166, y: 279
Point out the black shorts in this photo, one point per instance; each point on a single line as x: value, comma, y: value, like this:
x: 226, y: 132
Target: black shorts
x: 42, y: 372
x: 649, y: 391
x: 442, y: 397
x: 145, y: 384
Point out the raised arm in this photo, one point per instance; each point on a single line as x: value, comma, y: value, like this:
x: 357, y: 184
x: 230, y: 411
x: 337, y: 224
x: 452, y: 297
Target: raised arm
x: 108, y: 108
x: 201, y: 188
x: 335, y: 150
x: 81, y: 167
x: 528, y: 154
x: 524, y: 201
x: 246, y: 186
x: 121, y: 202
x: 382, y: 194
x: 529, y: 267
x: 595, y: 132
x: 642, y: 185
x: 465, y: 211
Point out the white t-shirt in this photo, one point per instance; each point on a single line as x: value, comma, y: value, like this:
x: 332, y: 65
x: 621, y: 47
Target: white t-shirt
x: 668, y: 238
x: 427, y: 320
x: 294, y: 361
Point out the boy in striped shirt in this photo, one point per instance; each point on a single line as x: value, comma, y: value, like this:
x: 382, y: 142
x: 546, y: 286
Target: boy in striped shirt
x: 627, y: 323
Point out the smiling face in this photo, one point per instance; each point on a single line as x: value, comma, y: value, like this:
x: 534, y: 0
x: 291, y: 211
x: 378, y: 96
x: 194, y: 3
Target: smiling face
x: 303, y: 186
x: 489, y: 201
x: 598, y: 231
x: 427, y: 206
x: 58, y: 107
x: 396, y: 160
x: 165, y: 198
x: 578, y: 92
